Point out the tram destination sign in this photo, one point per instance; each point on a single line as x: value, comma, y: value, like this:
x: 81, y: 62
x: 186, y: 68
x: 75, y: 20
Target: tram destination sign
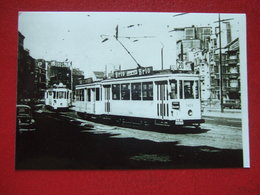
x: 133, y: 72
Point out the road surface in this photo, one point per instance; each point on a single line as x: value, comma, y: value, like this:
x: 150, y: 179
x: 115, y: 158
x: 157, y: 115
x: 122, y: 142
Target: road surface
x: 64, y: 141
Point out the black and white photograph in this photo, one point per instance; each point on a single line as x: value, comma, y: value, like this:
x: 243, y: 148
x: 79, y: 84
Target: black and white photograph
x: 131, y: 90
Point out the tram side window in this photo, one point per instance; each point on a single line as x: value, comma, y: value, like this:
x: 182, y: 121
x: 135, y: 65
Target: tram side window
x: 116, y: 92
x: 189, y: 89
x: 77, y: 95
x: 136, y: 91
x: 173, y: 89
x: 196, y: 89
x: 88, y: 95
x: 106, y: 92
x: 82, y: 95
x: 181, y: 89
x: 147, y: 89
x: 54, y: 95
x: 125, y: 91
x: 97, y: 94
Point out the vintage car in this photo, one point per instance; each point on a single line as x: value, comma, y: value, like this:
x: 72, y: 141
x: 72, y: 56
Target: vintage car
x: 233, y: 103
x: 24, y: 119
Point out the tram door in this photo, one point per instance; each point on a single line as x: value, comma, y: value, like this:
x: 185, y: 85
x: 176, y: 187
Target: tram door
x: 107, y: 94
x: 93, y: 102
x: 90, y: 103
x: 162, y: 99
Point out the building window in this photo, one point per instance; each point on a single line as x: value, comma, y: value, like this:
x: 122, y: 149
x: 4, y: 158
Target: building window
x: 125, y: 91
x: 116, y: 92
x: 189, y: 33
x: 147, y: 89
x: 136, y: 91
x: 234, y: 83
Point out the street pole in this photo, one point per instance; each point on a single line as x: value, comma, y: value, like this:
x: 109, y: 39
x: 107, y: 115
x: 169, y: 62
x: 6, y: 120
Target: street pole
x: 162, y: 56
x: 220, y: 66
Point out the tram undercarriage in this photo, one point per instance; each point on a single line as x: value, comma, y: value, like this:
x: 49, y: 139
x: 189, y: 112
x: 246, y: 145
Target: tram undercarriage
x: 142, y: 122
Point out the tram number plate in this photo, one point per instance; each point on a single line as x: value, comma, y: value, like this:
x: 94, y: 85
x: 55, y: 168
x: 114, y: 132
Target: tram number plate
x: 179, y: 122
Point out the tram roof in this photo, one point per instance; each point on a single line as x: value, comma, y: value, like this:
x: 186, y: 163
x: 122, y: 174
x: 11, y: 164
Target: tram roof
x: 59, y: 89
x: 143, y: 77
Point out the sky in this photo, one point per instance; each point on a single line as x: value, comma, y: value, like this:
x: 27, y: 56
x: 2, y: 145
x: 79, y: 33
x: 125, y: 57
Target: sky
x: 88, y: 38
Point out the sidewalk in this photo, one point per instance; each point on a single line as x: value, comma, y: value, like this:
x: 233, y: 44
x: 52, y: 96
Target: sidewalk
x: 227, y: 113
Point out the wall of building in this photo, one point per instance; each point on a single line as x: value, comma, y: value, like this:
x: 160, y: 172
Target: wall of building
x: 26, y: 89
x: 200, y: 46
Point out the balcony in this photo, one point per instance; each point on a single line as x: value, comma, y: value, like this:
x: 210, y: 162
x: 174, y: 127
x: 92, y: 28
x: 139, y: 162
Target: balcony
x: 232, y: 61
x: 233, y: 89
x: 229, y: 75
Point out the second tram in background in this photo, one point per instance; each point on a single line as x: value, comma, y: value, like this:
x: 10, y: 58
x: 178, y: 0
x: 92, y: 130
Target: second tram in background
x: 58, y: 98
x: 170, y: 99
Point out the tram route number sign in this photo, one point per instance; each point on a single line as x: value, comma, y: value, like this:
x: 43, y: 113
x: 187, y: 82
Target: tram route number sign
x: 133, y: 72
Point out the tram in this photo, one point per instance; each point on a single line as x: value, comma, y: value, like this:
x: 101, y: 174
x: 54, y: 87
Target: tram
x: 58, y: 97
x: 170, y: 99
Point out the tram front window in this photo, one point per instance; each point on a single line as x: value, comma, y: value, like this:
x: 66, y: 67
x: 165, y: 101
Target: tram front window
x: 61, y: 95
x: 173, y: 89
x: 191, y: 90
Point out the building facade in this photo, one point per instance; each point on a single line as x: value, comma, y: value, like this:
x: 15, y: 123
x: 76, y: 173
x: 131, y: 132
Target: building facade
x: 78, y: 77
x: 231, y: 73
x: 198, y: 51
x: 193, y: 54
x: 40, y: 77
x: 26, y: 88
x: 58, y: 72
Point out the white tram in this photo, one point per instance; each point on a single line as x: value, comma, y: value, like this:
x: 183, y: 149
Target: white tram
x: 165, y: 99
x: 58, y: 97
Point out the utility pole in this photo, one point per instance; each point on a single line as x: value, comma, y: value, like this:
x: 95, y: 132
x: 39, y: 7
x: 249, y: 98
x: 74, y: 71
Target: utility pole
x: 71, y: 78
x: 220, y: 66
x: 220, y: 63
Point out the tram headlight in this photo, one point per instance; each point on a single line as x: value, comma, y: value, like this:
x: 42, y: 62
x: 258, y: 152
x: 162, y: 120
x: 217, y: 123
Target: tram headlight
x: 190, y: 112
